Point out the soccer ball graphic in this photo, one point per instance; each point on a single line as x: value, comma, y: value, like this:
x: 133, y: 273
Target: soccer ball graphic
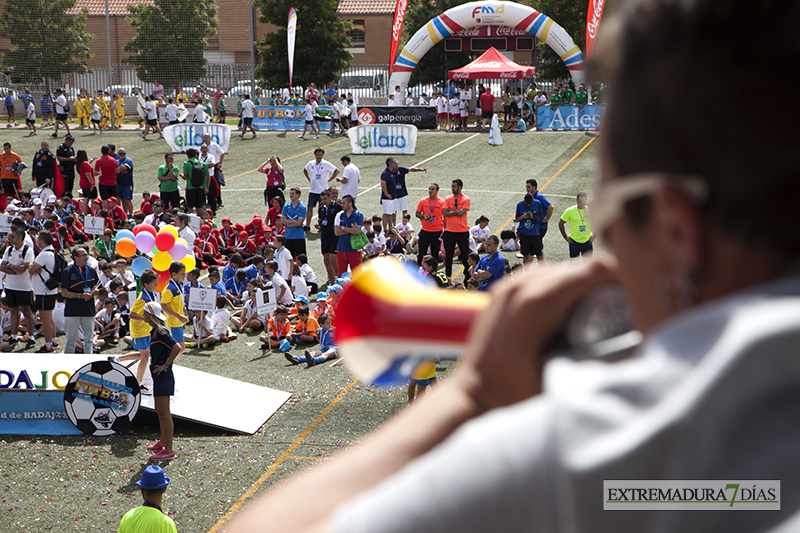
x: 288, y: 114
x: 102, y: 398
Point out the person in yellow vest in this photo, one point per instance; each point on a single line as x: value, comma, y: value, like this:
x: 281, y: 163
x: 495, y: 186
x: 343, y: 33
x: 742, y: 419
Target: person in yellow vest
x: 86, y: 105
x: 182, y: 98
x: 79, y: 111
x: 119, y: 110
x: 105, y: 109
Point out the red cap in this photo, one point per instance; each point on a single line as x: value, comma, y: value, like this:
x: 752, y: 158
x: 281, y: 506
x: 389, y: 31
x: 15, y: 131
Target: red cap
x: 113, y: 199
x: 226, y: 219
x: 205, y: 228
x: 243, y: 235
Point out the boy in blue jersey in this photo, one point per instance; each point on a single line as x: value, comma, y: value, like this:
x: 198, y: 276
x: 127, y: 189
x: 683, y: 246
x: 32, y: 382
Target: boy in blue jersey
x: 327, y: 346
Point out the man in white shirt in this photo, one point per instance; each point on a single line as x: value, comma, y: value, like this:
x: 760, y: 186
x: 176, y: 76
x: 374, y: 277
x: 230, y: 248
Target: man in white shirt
x: 171, y: 112
x: 199, y: 113
x: 41, y: 270
x: 318, y: 172
x: 219, y: 154
x: 248, y: 112
x: 335, y: 114
x: 399, y: 101
x: 30, y: 117
x: 350, y: 177
x: 154, y: 219
x: 61, y: 112
x: 308, y: 117
x: 152, y: 118
x: 285, y: 95
x: 19, y: 291
x: 353, y: 112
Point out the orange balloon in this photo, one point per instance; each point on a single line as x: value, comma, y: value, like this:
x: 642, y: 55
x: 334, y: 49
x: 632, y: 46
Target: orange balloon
x: 126, y: 247
x: 161, y: 285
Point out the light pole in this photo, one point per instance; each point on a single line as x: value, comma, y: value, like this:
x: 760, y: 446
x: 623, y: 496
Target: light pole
x: 108, y: 53
x: 252, y: 53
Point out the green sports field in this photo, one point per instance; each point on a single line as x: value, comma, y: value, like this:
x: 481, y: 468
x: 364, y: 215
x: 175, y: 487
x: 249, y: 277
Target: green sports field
x: 86, y: 484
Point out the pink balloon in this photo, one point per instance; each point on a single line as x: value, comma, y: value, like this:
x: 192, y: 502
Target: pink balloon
x: 178, y: 251
x: 145, y: 242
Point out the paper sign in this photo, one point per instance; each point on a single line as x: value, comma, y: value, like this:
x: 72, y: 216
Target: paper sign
x: 202, y: 299
x: 5, y: 223
x: 132, y: 295
x: 266, y: 302
x: 194, y: 223
x: 94, y: 225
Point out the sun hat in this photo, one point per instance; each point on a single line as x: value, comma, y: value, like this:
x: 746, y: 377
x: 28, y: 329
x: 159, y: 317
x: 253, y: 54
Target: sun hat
x: 153, y: 476
x: 301, y: 298
x: 154, y: 308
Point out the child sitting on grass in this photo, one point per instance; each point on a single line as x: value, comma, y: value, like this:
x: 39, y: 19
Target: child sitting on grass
x: 327, y: 346
x: 279, y: 329
x: 218, y: 324
x: 248, y: 319
x: 305, y: 329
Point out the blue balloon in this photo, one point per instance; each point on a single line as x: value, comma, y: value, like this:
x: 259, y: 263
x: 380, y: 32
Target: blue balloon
x: 139, y: 265
x: 125, y: 234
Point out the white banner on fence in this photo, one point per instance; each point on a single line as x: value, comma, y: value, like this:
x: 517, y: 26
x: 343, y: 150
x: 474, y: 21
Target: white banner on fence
x: 194, y: 220
x: 266, y: 302
x: 398, y: 139
x: 181, y: 137
x: 5, y: 223
x: 94, y: 225
x: 202, y: 299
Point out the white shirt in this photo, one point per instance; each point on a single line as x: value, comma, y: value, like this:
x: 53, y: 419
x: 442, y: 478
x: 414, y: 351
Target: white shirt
x: 216, y: 150
x: 251, y: 309
x: 105, y: 281
x: 96, y: 112
x: 284, y: 259
x: 480, y: 233
x: 422, y: 101
x: 220, y: 321
x: 308, y: 113
x: 441, y: 104
x: 454, y: 105
x: 353, y: 176
x: 299, y: 286
x: 61, y: 104
x: 13, y: 256
x: 285, y: 96
x: 58, y: 316
x: 277, y: 283
x: 31, y: 111
x: 319, y: 174
x: 171, y: 112
x: 150, y: 107
x: 398, y: 98
x: 308, y: 273
x: 125, y: 278
x: 247, y: 108
x: 335, y: 110
x: 199, y: 113
x: 209, y: 160
x: 404, y: 227
x: 409, y: 101
x: 45, y: 259
x: 539, y: 100
x: 152, y: 220
x: 354, y: 112
x: 188, y: 235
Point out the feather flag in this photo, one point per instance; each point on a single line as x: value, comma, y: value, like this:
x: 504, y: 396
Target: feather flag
x: 397, y: 30
x: 291, y: 32
x: 593, y: 16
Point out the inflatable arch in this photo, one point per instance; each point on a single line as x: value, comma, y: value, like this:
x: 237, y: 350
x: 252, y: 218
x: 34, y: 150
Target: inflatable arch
x: 475, y: 14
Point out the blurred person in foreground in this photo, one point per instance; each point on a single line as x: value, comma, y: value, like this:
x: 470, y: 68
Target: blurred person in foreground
x: 509, y: 443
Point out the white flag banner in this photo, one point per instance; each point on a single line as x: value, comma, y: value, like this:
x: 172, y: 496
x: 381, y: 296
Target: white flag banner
x: 5, y: 223
x: 291, y: 33
x: 181, y: 137
x: 94, y: 225
x: 266, y: 302
x: 494, y: 132
x: 398, y: 139
x: 201, y: 299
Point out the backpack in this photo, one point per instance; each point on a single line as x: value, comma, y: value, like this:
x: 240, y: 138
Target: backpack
x: 55, y: 276
x: 198, y: 179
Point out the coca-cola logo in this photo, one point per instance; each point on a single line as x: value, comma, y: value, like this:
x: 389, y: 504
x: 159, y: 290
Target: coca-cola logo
x: 508, y: 75
x: 460, y: 76
x: 594, y: 22
x: 366, y: 116
x: 487, y: 64
x: 505, y: 31
x: 399, y: 16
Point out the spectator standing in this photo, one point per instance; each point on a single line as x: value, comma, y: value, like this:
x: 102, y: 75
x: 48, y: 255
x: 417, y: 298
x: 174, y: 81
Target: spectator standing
x: 44, y: 166
x: 319, y: 173
x: 348, y: 222
x: 125, y: 181
x: 149, y: 516
x: 196, y: 174
x: 171, y: 112
x: 107, y: 168
x: 19, y: 292
x: 487, y: 106
x: 168, y: 177
x: 219, y: 155
x: 580, y: 236
x: 491, y: 267
x: 528, y: 215
x: 350, y: 177
x: 292, y: 216
x: 62, y: 112
x: 401, y: 198
x: 456, y: 229
x: 151, y: 112
x: 308, y: 117
x: 42, y: 270
x: 213, y: 187
x: 65, y: 155
x: 30, y: 118
x: 9, y: 177
x: 158, y: 90
x: 9, y: 101
x: 430, y: 212
x: 276, y: 181
x: 326, y: 220
x: 87, y: 181
x: 248, y: 109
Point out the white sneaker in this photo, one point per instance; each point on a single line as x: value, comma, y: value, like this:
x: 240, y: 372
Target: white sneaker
x: 301, y: 137
x: 316, y: 136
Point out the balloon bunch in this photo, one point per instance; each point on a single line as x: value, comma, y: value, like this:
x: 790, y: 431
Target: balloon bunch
x: 165, y: 246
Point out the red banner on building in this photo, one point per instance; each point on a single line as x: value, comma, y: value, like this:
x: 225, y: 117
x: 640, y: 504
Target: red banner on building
x: 397, y: 30
x: 593, y: 16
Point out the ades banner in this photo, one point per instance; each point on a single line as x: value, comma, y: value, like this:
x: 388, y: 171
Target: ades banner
x: 568, y: 117
x: 287, y: 118
x: 423, y: 118
x: 400, y: 139
x: 181, y: 137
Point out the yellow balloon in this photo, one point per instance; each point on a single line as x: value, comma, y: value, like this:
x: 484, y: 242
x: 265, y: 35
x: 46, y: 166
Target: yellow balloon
x: 189, y: 262
x: 162, y: 261
x: 181, y: 239
x: 171, y: 229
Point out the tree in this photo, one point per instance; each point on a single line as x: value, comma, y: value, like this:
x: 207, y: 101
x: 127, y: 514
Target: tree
x: 170, y: 38
x: 570, y: 15
x: 432, y: 67
x: 320, y: 42
x: 47, y: 43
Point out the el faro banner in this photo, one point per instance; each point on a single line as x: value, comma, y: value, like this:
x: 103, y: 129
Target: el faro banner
x: 181, y: 137
x: 400, y: 139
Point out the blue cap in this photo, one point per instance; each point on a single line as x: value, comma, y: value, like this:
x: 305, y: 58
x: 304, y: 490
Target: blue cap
x: 153, y: 478
x: 346, y: 275
x: 336, y: 288
x: 321, y: 296
x: 301, y: 298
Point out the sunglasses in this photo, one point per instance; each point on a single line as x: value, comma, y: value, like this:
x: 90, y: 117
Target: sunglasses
x: 611, y: 197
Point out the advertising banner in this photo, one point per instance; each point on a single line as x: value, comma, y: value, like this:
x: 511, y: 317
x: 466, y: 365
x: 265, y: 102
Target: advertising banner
x: 397, y: 30
x: 593, y: 16
x: 424, y: 118
x: 34, y: 413
x: 181, y: 137
x: 398, y: 139
x: 570, y: 117
x: 285, y: 118
x: 266, y: 302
